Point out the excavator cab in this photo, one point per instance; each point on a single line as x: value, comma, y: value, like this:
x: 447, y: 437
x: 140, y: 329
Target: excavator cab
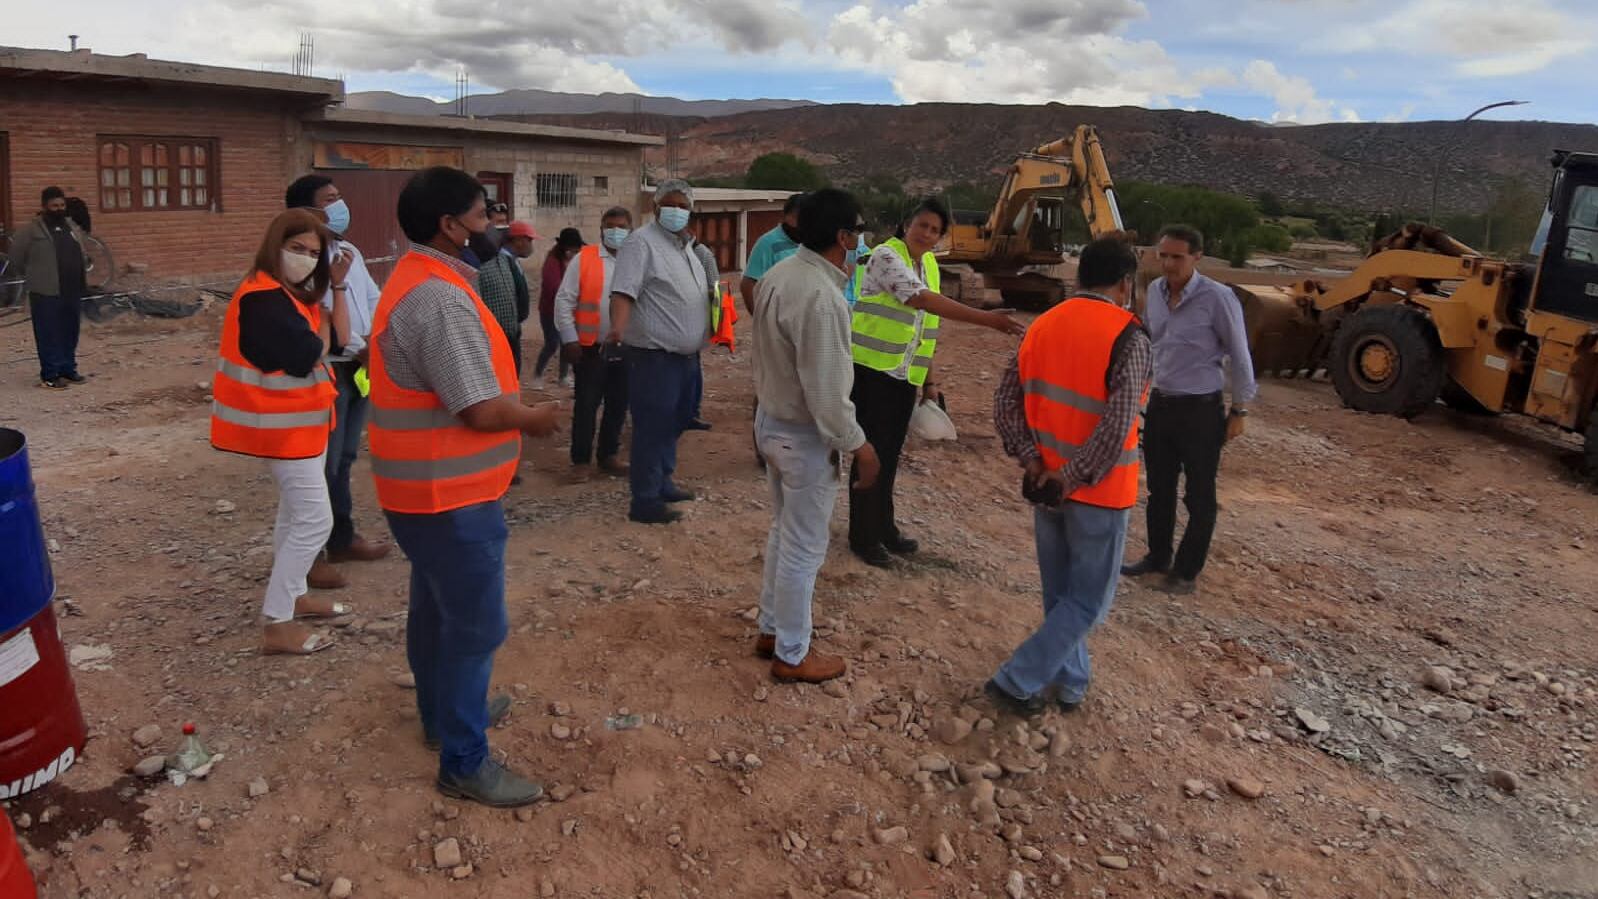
x: 1567, y: 273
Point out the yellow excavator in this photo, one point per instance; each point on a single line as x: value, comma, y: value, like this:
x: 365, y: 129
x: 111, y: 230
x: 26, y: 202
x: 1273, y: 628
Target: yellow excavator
x: 1424, y: 317
x: 1427, y: 317
x: 1025, y: 227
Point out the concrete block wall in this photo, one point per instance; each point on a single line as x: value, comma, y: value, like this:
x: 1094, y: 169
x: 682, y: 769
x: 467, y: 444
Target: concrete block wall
x: 528, y: 158
x: 52, y: 132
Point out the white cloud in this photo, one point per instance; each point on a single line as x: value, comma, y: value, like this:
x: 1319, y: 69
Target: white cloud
x: 1483, y: 38
x: 1295, y: 97
x: 1025, y: 51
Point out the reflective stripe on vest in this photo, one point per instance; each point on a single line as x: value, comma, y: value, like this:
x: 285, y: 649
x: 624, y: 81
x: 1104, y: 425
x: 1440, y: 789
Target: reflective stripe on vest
x: 884, y: 329
x: 425, y: 460
x: 726, y: 315
x: 590, y: 293
x: 272, y: 415
x: 1065, y: 360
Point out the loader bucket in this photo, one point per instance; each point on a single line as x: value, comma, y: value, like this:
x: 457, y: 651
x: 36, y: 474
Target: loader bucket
x: 1284, y: 339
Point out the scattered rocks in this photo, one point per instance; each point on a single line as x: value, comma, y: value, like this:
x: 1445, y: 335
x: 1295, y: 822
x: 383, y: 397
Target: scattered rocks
x: 447, y: 853
x: 1114, y: 862
x: 1437, y: 679
x: 942, y: 851
x: 1504, y: 781
x: 259, y: 787
x: 403, y: 679
x: 560, y: 731
x: 341, y: 888
x: 1015, y: 885
x: 150, y: 766
x: 461, y: 872
x: 204, y: 825
x: 893, y: 836
x: 1246, y: 787
x: 951, y: 730
x: 1250, y: 891
x: 1194, y: 788
x: 1312, y: 722
x: 223, y: 507
x: 147, y: 736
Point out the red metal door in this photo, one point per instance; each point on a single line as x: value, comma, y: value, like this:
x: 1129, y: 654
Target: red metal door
x: 719, y: 232
x: 498, y: 187
x: 372, y: 196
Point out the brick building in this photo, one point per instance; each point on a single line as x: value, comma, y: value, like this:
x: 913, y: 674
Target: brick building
x: 729, y: 220
x: 182, y: 165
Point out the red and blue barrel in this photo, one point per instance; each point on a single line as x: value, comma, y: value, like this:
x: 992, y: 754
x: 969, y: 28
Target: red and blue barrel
x: 41, y: 726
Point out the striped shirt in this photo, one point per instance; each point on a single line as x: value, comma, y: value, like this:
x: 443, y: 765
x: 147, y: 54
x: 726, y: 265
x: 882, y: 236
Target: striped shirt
x: 435, y: 342
x: 1129, y: 372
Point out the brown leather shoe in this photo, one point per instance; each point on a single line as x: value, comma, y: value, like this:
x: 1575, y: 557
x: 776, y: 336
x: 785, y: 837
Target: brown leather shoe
x: 815, y: 668
x: 612, y: 466
x: 360, y: 550
x: 766, y: 646
x: 324, y: 575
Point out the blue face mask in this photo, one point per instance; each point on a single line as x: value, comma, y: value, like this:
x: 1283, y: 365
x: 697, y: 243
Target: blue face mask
x: 672, y: 218
x: 338, y: 216
x: 852, y: 257
x: 614, y: 237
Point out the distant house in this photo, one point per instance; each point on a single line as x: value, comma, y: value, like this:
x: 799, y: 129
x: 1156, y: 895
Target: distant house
x: 182, y: 165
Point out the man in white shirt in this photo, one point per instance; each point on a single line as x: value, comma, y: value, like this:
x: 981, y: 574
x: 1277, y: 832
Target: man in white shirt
x: 803, y: 377
x: 582, y: 318
x: 351, y: 278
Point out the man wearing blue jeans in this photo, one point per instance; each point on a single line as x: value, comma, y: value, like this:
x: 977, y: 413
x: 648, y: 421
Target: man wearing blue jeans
x: 804, y: 373
x: 446, y: 412
x: 1066, y: 409
x: 660, y: 311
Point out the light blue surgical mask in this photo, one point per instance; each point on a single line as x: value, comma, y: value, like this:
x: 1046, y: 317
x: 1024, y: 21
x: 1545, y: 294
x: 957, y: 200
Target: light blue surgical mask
x: 614, y: 237
x: 338, y: 216
x: 673, y: 218
x: 852, y: 257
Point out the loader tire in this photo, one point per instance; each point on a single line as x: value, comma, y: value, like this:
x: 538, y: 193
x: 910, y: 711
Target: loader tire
x: 1387, y: 360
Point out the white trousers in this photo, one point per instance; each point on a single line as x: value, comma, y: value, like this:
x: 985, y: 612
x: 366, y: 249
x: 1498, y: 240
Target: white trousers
x: 304, y: 522
x: 804, y: 483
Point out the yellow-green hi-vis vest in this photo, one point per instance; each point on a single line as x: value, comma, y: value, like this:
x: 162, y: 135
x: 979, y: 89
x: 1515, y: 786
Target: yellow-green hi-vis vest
x: 885, y: 329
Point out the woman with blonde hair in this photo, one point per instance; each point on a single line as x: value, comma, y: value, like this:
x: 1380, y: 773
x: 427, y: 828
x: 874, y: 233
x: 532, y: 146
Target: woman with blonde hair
x: 274, y: 400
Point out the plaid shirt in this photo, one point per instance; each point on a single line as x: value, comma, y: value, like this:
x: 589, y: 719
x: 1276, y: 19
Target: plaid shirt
x: 1129, y: 373
x: 500, y: 282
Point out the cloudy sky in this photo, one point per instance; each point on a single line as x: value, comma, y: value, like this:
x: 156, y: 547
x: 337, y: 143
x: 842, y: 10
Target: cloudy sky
x: 1274, y: 60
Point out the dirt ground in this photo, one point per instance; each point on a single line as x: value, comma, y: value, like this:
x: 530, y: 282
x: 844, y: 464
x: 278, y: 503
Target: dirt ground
x: 1353, y: 553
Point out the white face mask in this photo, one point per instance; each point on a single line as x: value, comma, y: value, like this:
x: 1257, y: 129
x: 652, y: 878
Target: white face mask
x: 297, y: 269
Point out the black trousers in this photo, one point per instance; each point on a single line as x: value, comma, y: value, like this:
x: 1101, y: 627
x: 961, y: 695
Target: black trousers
x: 601, y: 376
x: 1182, y: 436
x: 55, y: 334
x: 883, y: 406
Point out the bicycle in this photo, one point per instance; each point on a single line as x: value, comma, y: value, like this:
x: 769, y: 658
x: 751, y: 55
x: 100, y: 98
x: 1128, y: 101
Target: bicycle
x: 99, y: 269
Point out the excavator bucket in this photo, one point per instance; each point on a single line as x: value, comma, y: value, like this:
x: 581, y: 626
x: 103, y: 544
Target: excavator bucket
x: 1284, y: 339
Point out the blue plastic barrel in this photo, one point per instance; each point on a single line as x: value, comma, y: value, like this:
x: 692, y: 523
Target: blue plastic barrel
x: 42, y: 731
x: 26, y: 584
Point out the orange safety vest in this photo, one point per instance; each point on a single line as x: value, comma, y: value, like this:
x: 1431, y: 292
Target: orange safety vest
x: 424, y: 459
x: 265, y: 414
x: 590, y: 290
x: 1065, y: 361
x: 727, y: 317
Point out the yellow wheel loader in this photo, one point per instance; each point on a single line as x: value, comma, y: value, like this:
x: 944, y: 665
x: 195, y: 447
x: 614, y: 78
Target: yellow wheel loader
x: 1426, y: 317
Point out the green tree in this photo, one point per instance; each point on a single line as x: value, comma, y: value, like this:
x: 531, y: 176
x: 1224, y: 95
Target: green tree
x: 883, y: 203
x: 1270, y: 205
x: 783, y: 171
x: 1303, y: 231
x: 1270, y: 238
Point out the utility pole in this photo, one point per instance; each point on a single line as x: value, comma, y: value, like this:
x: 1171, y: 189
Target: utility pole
x: 1437, y: 169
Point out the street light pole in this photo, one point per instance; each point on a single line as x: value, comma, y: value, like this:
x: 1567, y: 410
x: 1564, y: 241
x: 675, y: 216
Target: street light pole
x: 1437, y: 169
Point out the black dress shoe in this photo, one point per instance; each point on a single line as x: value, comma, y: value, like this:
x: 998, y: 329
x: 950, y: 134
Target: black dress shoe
x: 675, y: 494
x: 875, y: 555
x: 1146, y: 565
x: 901, y: 545
x: 664, y: 516
x: 697, y: 424
x: 75, y: 378
x: 1014, y: 705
